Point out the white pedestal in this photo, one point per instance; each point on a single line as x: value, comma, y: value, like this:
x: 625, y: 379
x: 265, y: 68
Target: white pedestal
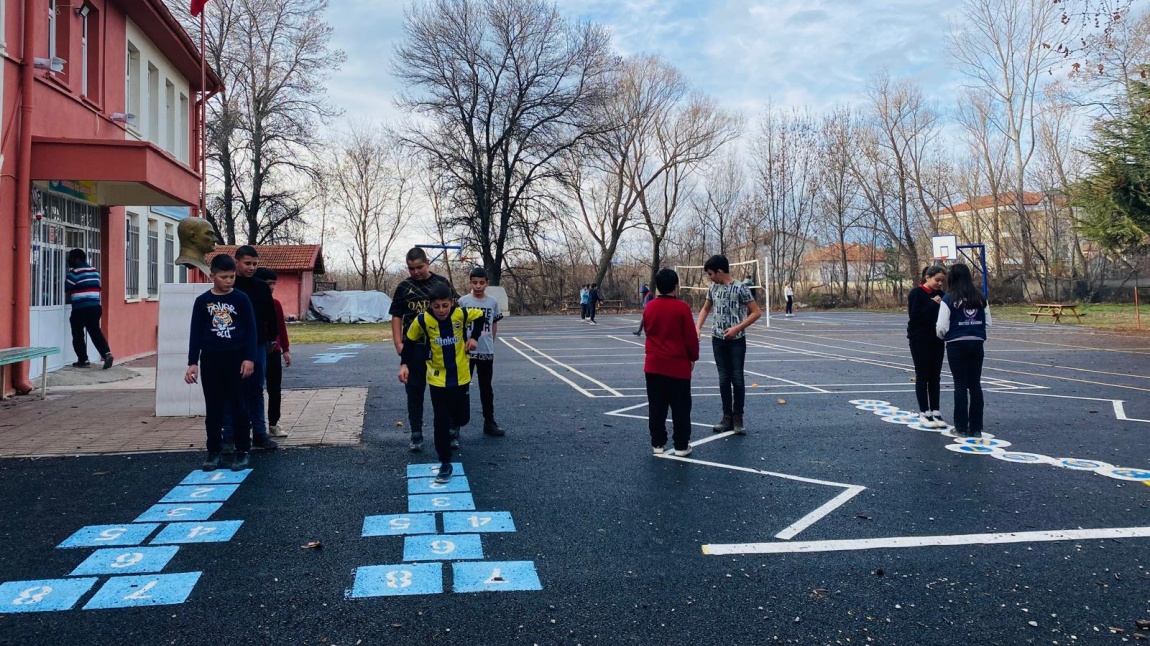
x: 500, y: 296
x: 174, y: 398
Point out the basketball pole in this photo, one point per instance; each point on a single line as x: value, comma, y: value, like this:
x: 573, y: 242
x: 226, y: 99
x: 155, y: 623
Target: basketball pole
x: 767, y: 291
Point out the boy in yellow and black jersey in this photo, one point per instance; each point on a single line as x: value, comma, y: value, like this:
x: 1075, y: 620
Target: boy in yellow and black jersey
x: 450, y: 332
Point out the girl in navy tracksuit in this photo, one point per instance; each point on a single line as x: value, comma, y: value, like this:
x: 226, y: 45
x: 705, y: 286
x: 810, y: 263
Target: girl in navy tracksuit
x: 963, y: 320
x: 926, y: 349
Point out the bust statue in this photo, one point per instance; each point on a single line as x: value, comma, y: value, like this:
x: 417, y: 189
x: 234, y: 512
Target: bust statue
x: 197, y: 238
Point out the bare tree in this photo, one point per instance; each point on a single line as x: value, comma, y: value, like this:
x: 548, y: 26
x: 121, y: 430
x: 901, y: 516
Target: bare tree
x: 505, y: 87
x: 840, y: 190
x: 976, y: 114
x: 719, y: 201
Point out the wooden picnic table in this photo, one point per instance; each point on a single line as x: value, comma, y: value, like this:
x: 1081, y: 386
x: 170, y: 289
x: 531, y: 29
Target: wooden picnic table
x: 10, y: 356
x: 1055, y: 311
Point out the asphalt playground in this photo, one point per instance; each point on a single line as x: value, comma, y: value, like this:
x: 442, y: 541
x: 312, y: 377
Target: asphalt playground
x: 832, y: 521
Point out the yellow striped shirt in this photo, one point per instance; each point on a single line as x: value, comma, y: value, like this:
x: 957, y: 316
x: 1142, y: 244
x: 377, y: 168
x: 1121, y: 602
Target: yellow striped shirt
x: 448, y: 364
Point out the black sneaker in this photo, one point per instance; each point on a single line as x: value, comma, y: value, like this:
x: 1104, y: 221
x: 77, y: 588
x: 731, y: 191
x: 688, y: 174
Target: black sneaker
x: 455, y: 438
x: 416, y: 442
x: 81, y: 364
x: 108, y: 359
x: 212, y: 463
x: 229, y: 447
x: 490, y: 427
x: 241, y: 462
x: 265, y: 443
x: 638, y: 333
x: 444, y: 474
x: 724, y: 425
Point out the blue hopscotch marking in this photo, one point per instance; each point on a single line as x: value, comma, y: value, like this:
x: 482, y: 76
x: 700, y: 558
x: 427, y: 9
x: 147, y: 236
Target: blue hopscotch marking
x: 463, y: 522
x: 44, y: 595
x: 442, y: 548
x: 109, y: 535
x: 350, y: 346
x: 495, y: 576
x: 200, y: 493
x: 215, y: 477
x: 432, y: 469
x: 332, y: 357
x: 131, y: 560
x: 396, y: 580
x: 457, y: 484
x: 399, y: 524
x: 441, y: 502
x: 219, y: 531
x: 175, y: 512
x: 148, y: 590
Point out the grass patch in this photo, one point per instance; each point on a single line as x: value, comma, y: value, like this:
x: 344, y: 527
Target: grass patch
x: 316, y: 332
x: 1097, y: 315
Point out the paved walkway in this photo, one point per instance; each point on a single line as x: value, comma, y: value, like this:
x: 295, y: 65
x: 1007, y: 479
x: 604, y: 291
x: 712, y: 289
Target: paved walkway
x: 109, y: 418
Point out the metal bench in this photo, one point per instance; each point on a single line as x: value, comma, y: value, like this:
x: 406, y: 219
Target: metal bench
x: 9, y: 356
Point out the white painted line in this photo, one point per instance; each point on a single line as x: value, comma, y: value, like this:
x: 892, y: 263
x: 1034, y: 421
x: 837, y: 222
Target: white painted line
x: 1118, y: 404
x: 926, y: 541
x: 560, y: 363
x: 785, y: 476
x: 786, y: 381
x: 818, y: 514
x: 713, y: 437
x: 638, y: 343
x: 548, y: 369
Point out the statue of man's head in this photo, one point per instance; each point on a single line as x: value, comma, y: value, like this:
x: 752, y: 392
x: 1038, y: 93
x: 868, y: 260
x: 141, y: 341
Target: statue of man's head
x: 197, y: 234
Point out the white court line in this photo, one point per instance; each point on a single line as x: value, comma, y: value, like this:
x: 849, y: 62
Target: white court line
x: 926, y: 541
x: 638, y: 343
x: 581, y: 374
x: 786, y: 381
x: 547, y: 368
x: 1118, y: 404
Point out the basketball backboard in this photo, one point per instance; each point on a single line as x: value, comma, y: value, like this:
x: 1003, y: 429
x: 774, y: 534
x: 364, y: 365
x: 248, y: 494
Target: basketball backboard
x: 944, y: 247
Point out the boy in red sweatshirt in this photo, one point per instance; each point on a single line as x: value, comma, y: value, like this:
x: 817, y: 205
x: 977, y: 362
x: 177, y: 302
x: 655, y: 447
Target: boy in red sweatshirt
x: 672, y: 349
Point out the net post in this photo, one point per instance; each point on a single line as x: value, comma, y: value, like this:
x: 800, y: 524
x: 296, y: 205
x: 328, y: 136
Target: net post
x: 767, y: 292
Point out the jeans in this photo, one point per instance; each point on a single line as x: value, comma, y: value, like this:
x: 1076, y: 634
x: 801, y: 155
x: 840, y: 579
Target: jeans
x: 729, y: 359
x: 452, y: 409
x: 223, y: 395
x: 790, y: 304
x: 87, y: 318
x: 665, y: 392
x: 965, y: 359
x: 415, y: 387
x: 927, y: 355
x: 275, y: 378
x: 485, y: 371
x: 591, y: 311
x: 253, y: 394
x: 583, y: 307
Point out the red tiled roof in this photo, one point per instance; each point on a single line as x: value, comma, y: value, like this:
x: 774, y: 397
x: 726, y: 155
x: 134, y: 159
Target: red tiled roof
x: 855, y: 252
x: 282, y: 257
x: 989, y: 201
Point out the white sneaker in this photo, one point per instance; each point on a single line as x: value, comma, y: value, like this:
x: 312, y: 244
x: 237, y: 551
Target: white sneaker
x: 658, y: 450
x: 680, y: 453
x: 925, y: 420
x: 276, y: 431
x: 936, y: 420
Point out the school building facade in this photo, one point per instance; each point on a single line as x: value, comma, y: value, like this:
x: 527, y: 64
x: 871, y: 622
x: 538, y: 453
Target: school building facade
x: 98, y: 113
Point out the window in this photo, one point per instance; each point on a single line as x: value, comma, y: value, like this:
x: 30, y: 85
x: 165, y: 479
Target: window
x: 153, y: 259
x: 169, y: 254
x: 153, y: 104
x: 169, y: 117
x: 182, y: 135
x: 67, y: 224
x: 132, y: 82
x: 132, y: 259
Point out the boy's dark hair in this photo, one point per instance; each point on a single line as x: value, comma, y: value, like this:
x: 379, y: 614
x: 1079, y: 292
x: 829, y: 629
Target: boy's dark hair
x: 246, y: 251
x: 717, y: 262
x: 666, y: 280
x: 223, y: 262
x: 932, y: 270
x: 961, y: 289
x: 417, y: 253
x: 479, y: 272
x: 77, y: 256
x: 594, y: 285
x: 439, y: 292
x: 265, y: 274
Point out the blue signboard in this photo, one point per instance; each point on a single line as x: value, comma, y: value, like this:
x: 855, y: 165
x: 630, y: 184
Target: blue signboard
x: 200, y: 493
x: 109, y: 535
x: 441, y: 502
x: 495, y: 576
x: 396, y: 580
x: 147, y: 590
x: 176, y: 512
x: 399, y: 525
x: 126, y: 560
x: 44, y: 595
x: 457, y: 484
x: 477, y: 521
x: 442, y: 548
x: 219, y: 531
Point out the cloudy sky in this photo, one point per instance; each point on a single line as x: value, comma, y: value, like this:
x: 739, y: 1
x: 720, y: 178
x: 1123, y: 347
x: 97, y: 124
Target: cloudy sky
x: 815, y: 53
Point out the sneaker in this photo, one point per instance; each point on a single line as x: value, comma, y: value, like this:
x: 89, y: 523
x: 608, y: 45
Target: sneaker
x: 724, y: 425
x: 275, y: 431
x: 444, y: 474
x: 81, y: 364
x: 680, y: 453
x: 939, y: 422
x: 659, y: 450
x: 638, y: 333
x: 241, y: 462
x: 266, y: 443
x: 108, y: 359
x: 229, y: 447
x: 737, y: 425
x: 212, y: 463
x: 594, y: 323
x: 974, y: 434
x: 490, y: 427
x: 926, y: 420
x: 416, y: 442
x: 454, y: 438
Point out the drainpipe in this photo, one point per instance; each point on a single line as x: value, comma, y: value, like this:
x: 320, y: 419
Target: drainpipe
x: 22, y: 275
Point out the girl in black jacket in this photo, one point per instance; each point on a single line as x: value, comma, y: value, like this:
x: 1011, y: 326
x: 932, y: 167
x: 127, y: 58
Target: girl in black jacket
x: 926, y: 349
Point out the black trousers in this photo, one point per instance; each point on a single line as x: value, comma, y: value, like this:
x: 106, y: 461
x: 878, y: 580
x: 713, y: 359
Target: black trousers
x: 927, y: 355
x: 591, y: 311
x: 223, y: 389
x: 664, y: 393
x: 416, y: 386
x: 275, y: 378
x: 452, y: 409
x: 87, y: 319
x: 790, y: 304
x: 730, y: 356
x: 484, y: 369
x: 965, y: 359
x: 583, y: 308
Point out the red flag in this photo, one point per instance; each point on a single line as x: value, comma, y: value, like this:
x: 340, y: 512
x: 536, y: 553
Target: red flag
x: 198, y: 6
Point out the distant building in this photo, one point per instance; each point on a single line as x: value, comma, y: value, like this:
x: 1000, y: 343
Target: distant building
x: 993, y: 220
x: 296, y: 266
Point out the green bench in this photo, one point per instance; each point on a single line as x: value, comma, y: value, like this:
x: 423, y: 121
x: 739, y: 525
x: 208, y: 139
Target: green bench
x: 10, y: 356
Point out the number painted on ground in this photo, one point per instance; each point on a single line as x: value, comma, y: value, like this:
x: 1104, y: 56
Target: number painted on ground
x: 400, y: 523
x: 496, y: 578
x: 32, y: 595
x: 127, y: 559
x: 140, y: 594
x: 180, y: 512
x: 441, y: 502
x: 111, y: 534
x: 399, y: 579
x: 200, y: 530
x: 442, y: 547
x: 200, y: 492
x: 479, y: 521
